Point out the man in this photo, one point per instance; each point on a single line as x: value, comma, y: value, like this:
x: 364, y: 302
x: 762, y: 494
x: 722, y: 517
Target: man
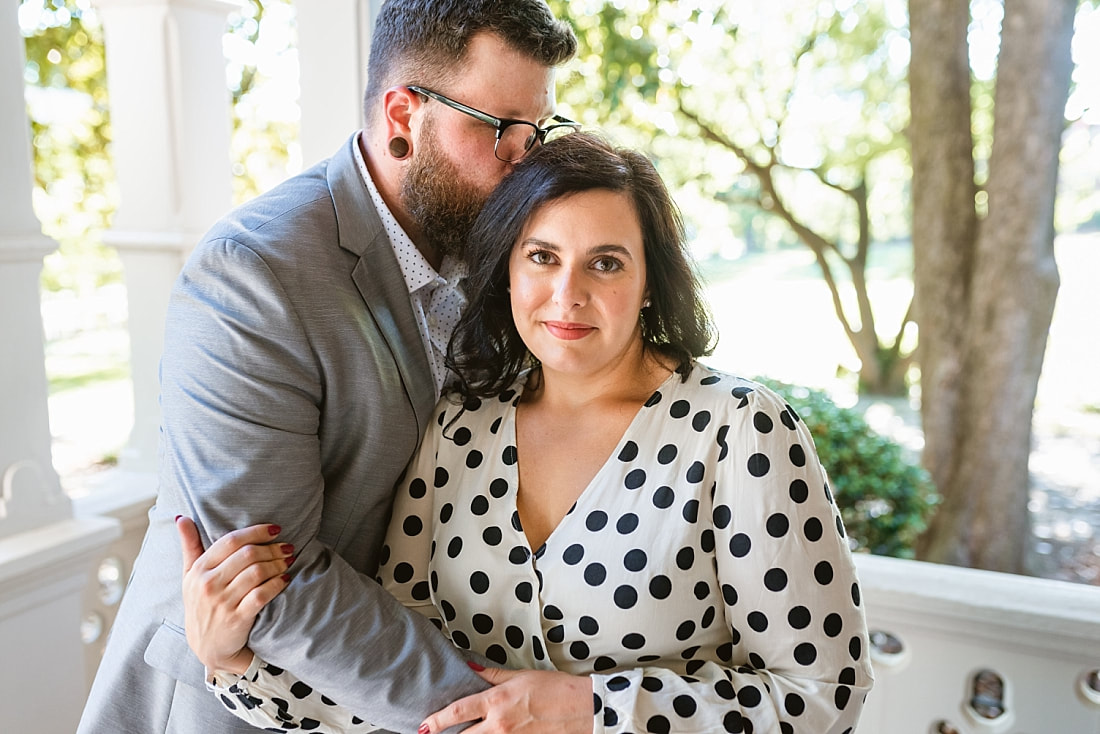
x: 304, y: 353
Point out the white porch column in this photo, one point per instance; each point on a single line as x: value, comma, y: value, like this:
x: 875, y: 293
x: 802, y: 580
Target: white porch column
x: 170, y: 119
x: 333, y: 44
x: 30, y: 492
x: 45, y: 555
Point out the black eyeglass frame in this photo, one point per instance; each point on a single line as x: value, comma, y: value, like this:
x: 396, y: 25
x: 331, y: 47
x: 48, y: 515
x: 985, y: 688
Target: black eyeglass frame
x: 500, y: 123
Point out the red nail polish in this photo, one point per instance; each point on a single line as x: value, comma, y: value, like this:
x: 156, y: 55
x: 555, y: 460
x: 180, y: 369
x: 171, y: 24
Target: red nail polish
x: 178, y: 518
x: 274, y: 530
x: 291, y: 560
x: 286, y: 548
x: 423, y: 729
x: 475, y: 666
x: 286, y: 577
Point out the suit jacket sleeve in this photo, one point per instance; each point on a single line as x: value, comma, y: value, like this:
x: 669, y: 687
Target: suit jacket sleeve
x: 242, y: 396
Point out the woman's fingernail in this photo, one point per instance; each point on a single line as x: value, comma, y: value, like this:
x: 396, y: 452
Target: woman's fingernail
x: 286, y: 577
x: 475, y: 666
x: 178, y: 518
x: 274, y: 530
x: 424, y: 729
x: 290, y: 560
x: 286, y: 548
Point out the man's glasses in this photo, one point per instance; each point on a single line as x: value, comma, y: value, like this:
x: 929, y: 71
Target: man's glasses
x: 514, y: 137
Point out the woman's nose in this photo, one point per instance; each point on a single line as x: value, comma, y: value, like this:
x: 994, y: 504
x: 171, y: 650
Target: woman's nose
x: 569, y: 289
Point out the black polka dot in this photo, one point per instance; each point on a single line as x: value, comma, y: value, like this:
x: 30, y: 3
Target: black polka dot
x: 441, y: 476
x: 691, y: 511
x: 663, y: 498
x: 402, y: 573
x: 625, y: 597
x: 483, y: 623
x: 617, y: 683
x: 841, y: 697
x: 595, y: 574
x: 729, y: 595
x: 740, y: 545
x: 498, y: 487
x: 834, y: 624
x: 462, y: 436
x: 696, y: 472
x: 759, y: 465
x: 823, y: 572
x: 685, y: 630
x: 627, y: 524
x: 497, y: 654
x: 445, y: 513
x: 479, y: 505
x: 474, y: 459
x: 596, y: 520
x: 454, y: 547
x: 635, y: 560
x: 794, y: 704
x: 658, y: 725
x: 805, y: 653
x: 479, y: 582
x: 758, y: 621
x: 777, y: 525
x: 633, y: 641
x: 701, y: 590
x: 812, y: 530
x: 514, y: 636
x: 492, y: 535
x: 653, y: 399
x: 635, y: 479
x: 700, y: 420
x: 552, y: 612
x: 725, y: 690
x: 509, y: 455
x: 604, y: 663
x: 417, y: 488
x: 573, y: 554
x: 775, y: 579
x: 721, y: 516
x: 300, y: 690
x: 749, y: 696
x: 588, y: 625
x: 706, y: 540
x: 578, y: 649
x: 685, y: 558
x: 762, y: 422
x: 629, y: 452
x: 799, y: 491
x: 799, y: 617
x: 448, y: 610
x: 459, y: 638
x: 855, y: 594
x: 651, y: 684
x: 524, y: 592
x: 798, y: 455
x: 556, y: 634
x: 660, y: 587
x: 855, y: 648
x: 667, y: 454
x: 519, y: 555
x: 412, y: 526
x: 684, y: 706
x: 679, y: 409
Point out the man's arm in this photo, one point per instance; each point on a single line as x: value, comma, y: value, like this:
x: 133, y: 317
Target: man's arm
x: 242, y: 397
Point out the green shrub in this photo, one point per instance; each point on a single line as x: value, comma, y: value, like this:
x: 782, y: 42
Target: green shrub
x: 884, y: 498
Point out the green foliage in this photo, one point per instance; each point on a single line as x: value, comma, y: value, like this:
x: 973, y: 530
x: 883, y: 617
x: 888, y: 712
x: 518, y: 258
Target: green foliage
x: 70, y: 126
x: 884, y: 498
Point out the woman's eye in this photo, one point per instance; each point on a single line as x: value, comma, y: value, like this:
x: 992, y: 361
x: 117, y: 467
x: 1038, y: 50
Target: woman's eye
x: 607, y: 264
x: 541, y: 257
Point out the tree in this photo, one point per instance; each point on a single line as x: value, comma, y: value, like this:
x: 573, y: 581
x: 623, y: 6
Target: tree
x: 791, y: 108
x: 984, y: 272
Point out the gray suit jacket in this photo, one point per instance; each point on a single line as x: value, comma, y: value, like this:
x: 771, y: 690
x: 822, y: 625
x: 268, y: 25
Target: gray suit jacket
x: 294, y: 389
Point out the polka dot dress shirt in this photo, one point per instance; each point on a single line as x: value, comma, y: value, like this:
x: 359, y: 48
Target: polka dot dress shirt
x: 437, y: 298
x: 702, y: 579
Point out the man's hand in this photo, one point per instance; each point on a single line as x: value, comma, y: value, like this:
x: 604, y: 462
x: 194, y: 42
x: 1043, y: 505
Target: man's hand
x: 225, y: 587
x: 521, y: 701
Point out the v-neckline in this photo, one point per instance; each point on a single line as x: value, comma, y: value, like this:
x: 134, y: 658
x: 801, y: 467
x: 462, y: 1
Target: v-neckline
x: 513, y: 469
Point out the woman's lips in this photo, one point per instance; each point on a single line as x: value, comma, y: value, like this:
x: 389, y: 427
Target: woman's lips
x: 568, y: 330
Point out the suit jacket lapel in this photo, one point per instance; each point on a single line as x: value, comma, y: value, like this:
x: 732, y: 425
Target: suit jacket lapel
x: 378, y: 277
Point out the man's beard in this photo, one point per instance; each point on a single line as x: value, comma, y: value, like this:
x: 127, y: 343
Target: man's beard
x: 442, y: 206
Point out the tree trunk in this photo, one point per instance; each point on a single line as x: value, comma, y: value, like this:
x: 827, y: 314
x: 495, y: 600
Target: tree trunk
x: 985, y: 295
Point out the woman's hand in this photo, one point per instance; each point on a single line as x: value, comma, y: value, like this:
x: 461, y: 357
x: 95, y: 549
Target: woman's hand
x: 225, y: 588
x: 527, y: 701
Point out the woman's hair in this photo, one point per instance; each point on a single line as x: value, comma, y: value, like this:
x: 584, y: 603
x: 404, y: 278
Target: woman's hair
x: 486, y: 351
x: 425, y: 41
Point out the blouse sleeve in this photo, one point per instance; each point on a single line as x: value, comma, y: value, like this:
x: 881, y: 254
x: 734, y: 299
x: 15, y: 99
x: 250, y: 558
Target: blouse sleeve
x: 275, y: 699
x: 791, y: 599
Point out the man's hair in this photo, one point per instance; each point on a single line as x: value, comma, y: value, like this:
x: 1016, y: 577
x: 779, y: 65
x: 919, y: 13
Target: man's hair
x: 425, y: 41
x: 486, y: 351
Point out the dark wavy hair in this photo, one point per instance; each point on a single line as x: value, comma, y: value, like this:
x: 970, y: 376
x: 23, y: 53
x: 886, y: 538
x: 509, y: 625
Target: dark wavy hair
x: 486, y: 351
x: 425, y: 41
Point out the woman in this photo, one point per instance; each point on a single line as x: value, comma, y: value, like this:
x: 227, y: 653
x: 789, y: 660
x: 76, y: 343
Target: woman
x: 596, y: 506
